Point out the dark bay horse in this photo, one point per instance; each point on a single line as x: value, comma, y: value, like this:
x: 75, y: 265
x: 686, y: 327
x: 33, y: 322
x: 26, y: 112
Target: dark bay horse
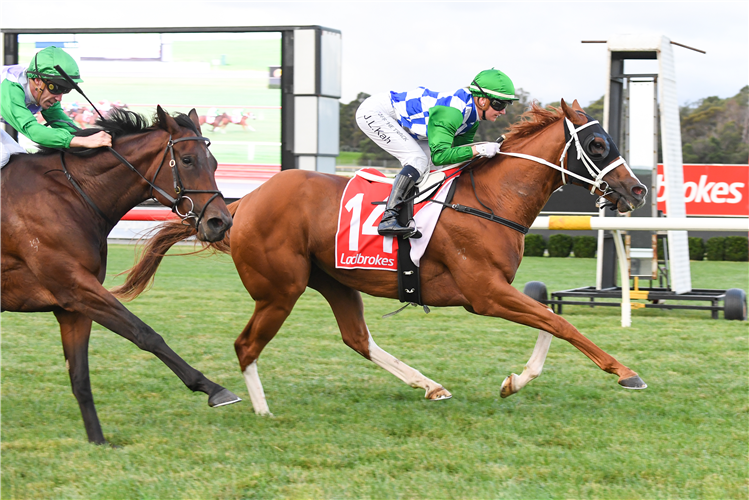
x: 57, y: 210
x: 283, y: 240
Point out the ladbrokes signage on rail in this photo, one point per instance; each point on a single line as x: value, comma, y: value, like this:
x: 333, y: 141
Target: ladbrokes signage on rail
x: 711, y: 190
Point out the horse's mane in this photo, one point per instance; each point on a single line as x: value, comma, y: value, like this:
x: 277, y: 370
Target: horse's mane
x: 533, y: 120
x: 120, y: 122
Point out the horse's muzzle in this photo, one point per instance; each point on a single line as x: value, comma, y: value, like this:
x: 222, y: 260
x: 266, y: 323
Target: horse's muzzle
x: 213, y: 229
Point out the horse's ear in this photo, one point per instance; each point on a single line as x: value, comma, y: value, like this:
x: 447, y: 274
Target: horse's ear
x: 167, y: 122
x: 576, y: 106
x: 195, y: 119
x: 575, y: 117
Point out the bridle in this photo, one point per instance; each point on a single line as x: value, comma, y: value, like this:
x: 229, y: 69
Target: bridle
x: 179, y: 189
x: 583, y: 159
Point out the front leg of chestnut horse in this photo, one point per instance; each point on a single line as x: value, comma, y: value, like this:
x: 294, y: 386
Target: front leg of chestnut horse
x: 93, y: 300
x: 75, y: 330
x: 511, y: 304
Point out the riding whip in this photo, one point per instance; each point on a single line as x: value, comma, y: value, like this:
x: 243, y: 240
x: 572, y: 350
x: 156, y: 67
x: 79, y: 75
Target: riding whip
x: 76, y: 87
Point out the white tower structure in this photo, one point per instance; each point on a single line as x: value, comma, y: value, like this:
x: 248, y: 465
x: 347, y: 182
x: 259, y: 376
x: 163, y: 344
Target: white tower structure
x: 625, y: 47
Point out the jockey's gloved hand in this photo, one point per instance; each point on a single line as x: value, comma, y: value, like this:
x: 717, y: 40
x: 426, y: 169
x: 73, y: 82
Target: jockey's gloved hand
x: 488, y: 149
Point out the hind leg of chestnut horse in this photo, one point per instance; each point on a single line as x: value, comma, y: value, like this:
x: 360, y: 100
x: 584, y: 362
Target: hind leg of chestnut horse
x: 533, y: 367
x: 349, y: 313
x: 507, y: 302
x: 75, y: 330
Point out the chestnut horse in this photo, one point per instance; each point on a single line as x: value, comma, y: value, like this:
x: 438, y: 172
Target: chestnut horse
x: 57, y: 210
x: 283, y: 240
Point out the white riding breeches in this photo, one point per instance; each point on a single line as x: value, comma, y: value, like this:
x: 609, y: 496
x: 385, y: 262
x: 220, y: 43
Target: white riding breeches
x: 8, y: 147
x: 377, y: 119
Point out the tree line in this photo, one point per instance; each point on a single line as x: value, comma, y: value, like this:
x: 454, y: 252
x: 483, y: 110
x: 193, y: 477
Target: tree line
x: 713, y: 130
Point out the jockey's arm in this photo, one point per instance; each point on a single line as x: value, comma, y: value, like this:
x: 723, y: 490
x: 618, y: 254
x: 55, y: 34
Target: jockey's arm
x: 57, y: 118
x: 446, y: 148
x: 14, y: 111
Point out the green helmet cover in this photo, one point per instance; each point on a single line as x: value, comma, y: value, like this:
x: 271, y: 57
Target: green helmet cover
x: 495, y: 85
x: 44, y: 62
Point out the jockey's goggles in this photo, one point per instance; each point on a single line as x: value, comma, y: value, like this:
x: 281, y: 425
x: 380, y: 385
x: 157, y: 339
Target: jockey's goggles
x: 55, y: 88
x: 496, y: 104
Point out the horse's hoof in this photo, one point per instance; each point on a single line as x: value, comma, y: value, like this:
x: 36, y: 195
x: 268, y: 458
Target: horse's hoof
x: 222, y: 398
x: 633, y: 383
x: 508, y: 388
x: 438, y: 394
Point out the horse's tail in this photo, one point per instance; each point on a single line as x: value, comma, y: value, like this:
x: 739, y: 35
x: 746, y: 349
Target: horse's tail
x: 140, y: 276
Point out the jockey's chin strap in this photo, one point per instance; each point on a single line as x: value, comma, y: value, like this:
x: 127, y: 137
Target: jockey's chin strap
x: 597, y: 174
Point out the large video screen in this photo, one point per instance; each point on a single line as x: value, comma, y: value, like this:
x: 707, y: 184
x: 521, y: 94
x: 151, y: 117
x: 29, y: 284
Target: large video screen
x: 231, y: 79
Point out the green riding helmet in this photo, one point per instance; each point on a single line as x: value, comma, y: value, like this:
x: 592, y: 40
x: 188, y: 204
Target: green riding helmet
x: 493, y: 84
x: 43, y: 66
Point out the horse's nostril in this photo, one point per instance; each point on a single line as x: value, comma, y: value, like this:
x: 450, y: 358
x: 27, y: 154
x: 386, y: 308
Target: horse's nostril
x: 638, y: 191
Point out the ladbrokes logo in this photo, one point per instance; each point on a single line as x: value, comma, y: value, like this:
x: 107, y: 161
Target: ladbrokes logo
x: 371, y: 260
x: 711, y: 189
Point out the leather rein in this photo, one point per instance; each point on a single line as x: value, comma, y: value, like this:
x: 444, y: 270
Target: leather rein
x: 179, y: 189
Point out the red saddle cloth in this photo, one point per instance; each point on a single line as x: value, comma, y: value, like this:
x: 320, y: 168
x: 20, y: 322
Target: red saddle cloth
x: 358, y: 245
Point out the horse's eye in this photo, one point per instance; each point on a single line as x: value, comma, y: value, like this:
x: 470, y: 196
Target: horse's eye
x: 187, y: 160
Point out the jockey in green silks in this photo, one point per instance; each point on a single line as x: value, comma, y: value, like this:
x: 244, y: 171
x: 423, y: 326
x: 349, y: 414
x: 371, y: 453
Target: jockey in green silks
x: 40, y: 87
x: 423, y: 128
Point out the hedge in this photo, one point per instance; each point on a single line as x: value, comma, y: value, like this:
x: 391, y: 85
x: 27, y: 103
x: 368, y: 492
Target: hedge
x: 736, y: 248
x: 696, y: 248
x: 534, y: 245
x: 715, y: 248
x: 560, y: 245
x: 584, y: 246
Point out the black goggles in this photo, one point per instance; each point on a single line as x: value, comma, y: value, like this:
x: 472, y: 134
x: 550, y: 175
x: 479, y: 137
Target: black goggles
x: 496, y: 104
x: 56, y: 89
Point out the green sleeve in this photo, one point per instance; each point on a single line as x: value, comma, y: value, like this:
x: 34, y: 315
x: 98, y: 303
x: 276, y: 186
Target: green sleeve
x: 444, y: 122
x: 57, y: 118
x: 14, y: 111
x: 467, y: 137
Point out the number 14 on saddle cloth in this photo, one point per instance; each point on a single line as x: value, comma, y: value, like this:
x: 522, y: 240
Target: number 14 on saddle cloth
x: 358, y: 245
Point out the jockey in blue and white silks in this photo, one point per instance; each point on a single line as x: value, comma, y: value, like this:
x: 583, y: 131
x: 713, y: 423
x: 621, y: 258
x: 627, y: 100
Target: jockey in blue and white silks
x: 423, y: 128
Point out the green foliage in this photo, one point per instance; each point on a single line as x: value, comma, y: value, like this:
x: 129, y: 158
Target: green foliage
x: 560, y: 245
x: 595, y: 110
x: 534, y: 245
x: 715, y: 248
x: 351, y: 135
x: 736, y: 248
x: 696, y: 248
x: 715, y: 130
x: 584, y: 246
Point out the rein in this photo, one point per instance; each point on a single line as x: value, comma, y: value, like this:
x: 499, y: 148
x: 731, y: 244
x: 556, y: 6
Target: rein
x: 596, y: 173
x: 179, y: 189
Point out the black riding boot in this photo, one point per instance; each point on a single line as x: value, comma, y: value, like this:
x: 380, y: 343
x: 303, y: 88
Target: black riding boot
x: 389, y: 226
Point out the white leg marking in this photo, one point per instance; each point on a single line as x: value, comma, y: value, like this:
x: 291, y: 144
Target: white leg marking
x: 412, y: 377
x: 536, y: 363
x: 533, y: 368
x: 255, y: 388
